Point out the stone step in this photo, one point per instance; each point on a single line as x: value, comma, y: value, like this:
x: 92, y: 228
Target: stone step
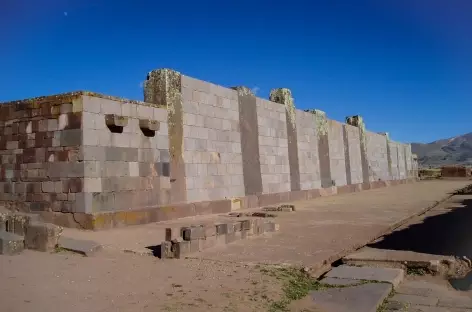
x: 387, y: 275
x: 192, y: 239
x: 365, y: 297
x: 10, y: 243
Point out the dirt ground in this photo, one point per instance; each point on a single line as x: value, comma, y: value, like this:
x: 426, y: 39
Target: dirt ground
x: 224, y: 279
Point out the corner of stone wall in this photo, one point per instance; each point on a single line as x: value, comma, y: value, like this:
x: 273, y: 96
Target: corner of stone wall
x: 164, y: 87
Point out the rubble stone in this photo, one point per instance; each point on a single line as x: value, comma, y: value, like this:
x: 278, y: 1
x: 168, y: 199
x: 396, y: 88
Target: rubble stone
x: 10, y: 243
x: 42, y: 236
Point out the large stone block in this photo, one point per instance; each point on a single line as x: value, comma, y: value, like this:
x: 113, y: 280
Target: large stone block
x: 19, y: 221
x: 42, y: 236
x: 10, y: 244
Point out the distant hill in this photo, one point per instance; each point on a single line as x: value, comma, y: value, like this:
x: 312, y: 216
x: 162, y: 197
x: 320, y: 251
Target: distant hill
x: 457, y: 150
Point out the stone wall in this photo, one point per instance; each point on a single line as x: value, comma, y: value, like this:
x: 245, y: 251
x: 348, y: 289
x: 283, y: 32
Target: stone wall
x: 377, y: 156
x: 273, y: 143
x: 40, y: 150
x: 352, y: 140
x: 308, y: 151
x: 211, y: 141
x: 191, y: 148
x: 336, y: 153
x: 127, y: 167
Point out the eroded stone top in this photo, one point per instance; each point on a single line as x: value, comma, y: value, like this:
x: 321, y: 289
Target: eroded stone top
x: 69, y: 97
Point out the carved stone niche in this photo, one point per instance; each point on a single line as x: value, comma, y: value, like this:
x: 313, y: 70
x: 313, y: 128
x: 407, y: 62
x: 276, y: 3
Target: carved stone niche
x: 149, y: 127
x: 116, y: 123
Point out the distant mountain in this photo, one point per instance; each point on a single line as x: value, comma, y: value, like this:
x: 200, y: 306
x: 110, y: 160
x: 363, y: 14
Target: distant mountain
x: 457, y: 150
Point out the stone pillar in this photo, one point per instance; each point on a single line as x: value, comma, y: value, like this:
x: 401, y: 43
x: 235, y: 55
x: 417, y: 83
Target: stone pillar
x: 389, y: 155
x: 249, y: 131
x: 164, y: 87
x: 414, y: 165
x: 347, y: 156
x: 358, y: 122
x: 284, y: 96
x: 321, y: 124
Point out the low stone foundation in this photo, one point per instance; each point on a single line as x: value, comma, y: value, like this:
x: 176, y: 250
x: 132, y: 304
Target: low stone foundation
x: 102, y: 221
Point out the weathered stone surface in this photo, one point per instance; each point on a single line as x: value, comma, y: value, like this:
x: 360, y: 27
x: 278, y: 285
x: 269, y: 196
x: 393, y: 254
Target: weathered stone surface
x: 221, y: 228
x: 85, y: 247
x: 365, y: 298
x: 412, y: 299
x: 392, y: 276
x: 42, y: 236
x: 339, y: 281
x: 184, y: 248
x: 167, y: 251
x: 19, y: 221
x: 193, y: 232
x: 116, y: 120
x: 271, y: 227
x: 4, y: 216
x: 283, y: 208
x: 152, y: 125
x: 456, y: 302
x: 10, y: 244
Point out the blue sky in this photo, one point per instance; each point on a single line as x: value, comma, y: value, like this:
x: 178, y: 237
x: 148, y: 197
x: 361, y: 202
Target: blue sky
x: 405, y: 65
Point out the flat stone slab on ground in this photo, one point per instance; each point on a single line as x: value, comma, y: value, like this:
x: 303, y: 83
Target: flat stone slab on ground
x: 338, y: 281
x: 11, y: 244
x: 361, y: 298
x: 392, y: 276
x: 400, y: 307
x: 84, y: 247
x: 412, y: 299
x: 368, y: 254
x: 428, y: 294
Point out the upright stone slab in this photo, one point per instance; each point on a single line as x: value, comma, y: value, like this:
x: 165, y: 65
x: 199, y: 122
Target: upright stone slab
x: 389, y: 155
x: 347, y: 156
x: 357, y: 121
x: 284, y: 96
x: 323, y: 147
x: 249, y: 141
x: 164, y: 86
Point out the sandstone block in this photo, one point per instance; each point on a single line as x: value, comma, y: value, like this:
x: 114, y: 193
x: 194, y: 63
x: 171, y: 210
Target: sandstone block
x: 151, y: 125
x: 167, y: 250
x: 42, y: 236
x: 112, y: 120
x: 19, y: 222
x: 183, y: 248
x: 210, y: 231
x: 271, y: 227
x: 84, y: 247
x: 245, y: 225
x: 4, y: 217
x: 193, y: 232
x: 10, y: 244
x: 221, y: 228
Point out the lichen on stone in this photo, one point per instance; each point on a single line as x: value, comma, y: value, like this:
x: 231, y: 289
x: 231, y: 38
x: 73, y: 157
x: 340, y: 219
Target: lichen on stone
x: 358, y: 121
x: 164, y: 86
x: 284, y: 96
x: 321, y: 121
x: 242, y: 90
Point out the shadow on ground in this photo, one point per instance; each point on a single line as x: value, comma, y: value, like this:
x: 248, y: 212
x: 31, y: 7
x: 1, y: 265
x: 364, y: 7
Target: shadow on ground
x: 447, y: 232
